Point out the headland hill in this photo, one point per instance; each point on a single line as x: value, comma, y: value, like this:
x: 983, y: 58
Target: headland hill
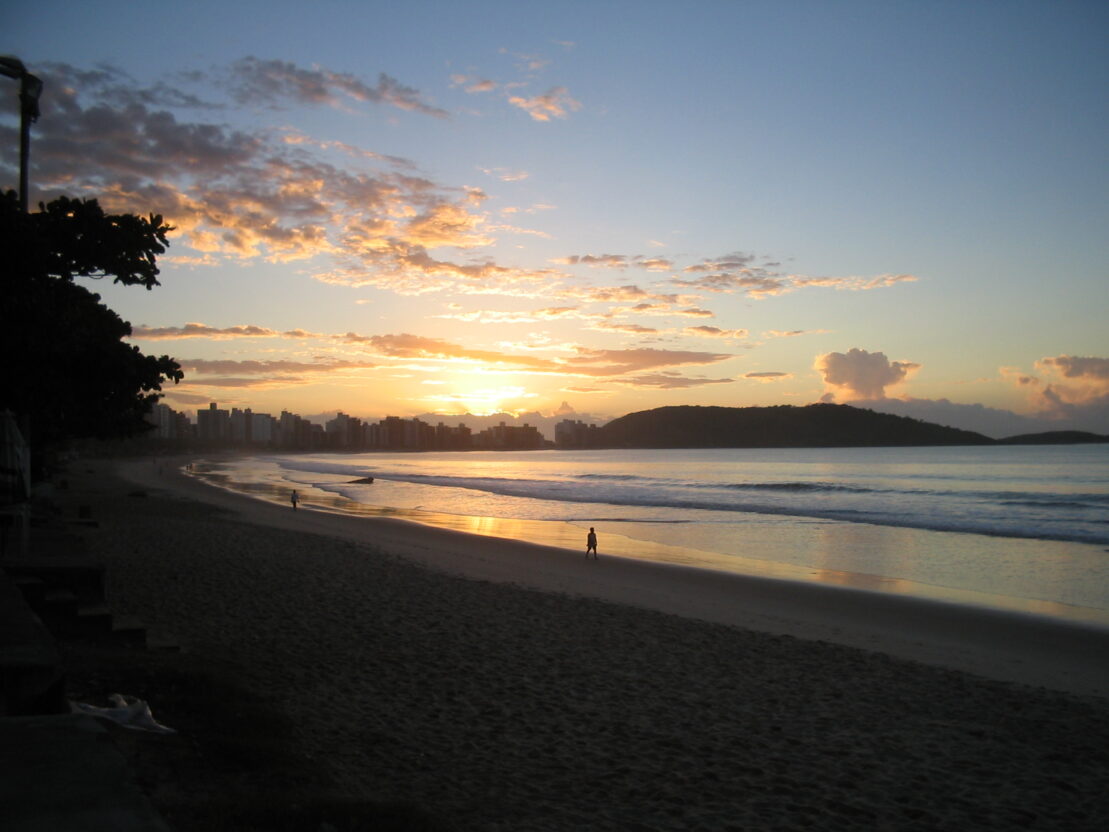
x: 790, y: 426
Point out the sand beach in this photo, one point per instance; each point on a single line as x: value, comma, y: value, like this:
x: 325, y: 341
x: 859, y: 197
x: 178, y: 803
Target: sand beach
x: 461, y: 682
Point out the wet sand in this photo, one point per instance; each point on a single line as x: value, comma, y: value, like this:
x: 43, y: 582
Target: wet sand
x: 504, y: 685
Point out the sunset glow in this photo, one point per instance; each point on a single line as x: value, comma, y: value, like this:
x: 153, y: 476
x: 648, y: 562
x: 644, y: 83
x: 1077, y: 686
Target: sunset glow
x: 496, y: 209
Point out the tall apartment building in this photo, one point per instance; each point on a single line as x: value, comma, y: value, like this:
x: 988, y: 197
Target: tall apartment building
x: 296, y: 432
x: 161, y: 416
x: 570, y: 433
x: 242, y: 426
x: 345, y: 432
x: 213, y: 424
x: 452, y: 439
x: 509, y: 437
x: 263, y: 429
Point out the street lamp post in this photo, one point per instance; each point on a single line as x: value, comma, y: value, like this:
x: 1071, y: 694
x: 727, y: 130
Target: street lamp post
x: 30, y: 88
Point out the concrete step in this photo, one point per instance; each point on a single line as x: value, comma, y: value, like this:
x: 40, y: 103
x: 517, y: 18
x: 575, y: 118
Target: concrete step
x: 129, y: 630
x: 31, y: 677
x: 32, y: 588
x: 88, y: 580
x: 59, y: 605
x: 63, y: 773
x: 95, y: 619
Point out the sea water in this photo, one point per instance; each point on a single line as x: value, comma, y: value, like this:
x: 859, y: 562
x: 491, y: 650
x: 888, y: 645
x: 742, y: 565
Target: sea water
x: 1015, y: 527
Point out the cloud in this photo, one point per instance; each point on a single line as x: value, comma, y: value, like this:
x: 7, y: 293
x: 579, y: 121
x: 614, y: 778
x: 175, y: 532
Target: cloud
x: 990, y: 421
x: 616, y: 261
x: 295, y: 137
x: 729, y: 262
x: 715, y: 332
x: 179, y: 396
x: 751, y: 285
x: 227, y: 367
x: 793, y: 333
x: 528, y: 62
x: 621, y: 362
x: 629, y: 329
x: 853, y: 284
x: 252, y: 383
x: 670, y: 381
x: 506, y: 175
x: 250, y: 194
x: 612, y: 294
x: 473, y: 84
x: 1092, y: 371
x: 859, y: 374
x: 355, y: 217
x: 596, y: 363
x: 623, y: 366
x: 486, y: 316
x: 199, y: 330
x: 412, y: 270
x: 256, y: 81
x: 405, y: 345
x: 1070, y: 388
x: 739, y: 273
x: 552, y: 104
x: 768, y: 376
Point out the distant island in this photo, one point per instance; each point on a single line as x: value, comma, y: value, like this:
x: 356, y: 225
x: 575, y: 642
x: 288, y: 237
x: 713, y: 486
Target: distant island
x: 1054, y: 437
x: 789, y: 426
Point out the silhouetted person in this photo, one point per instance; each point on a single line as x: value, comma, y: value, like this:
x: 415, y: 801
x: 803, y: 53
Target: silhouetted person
x: 294, y: 498
x: 591, y: 543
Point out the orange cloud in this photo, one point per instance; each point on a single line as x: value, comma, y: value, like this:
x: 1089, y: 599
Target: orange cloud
x: 630, y: 329
x: 552, y: 104
x: 410, y: 346
x: 219, y: 368
x: 473, y: 84
x: 670, y: 381
x: 620, y: 362
x: 715, y: 332
x: 859, y: 374
x: 237, y: 194
x: 198, y: 330
x: 253, y: 382
x: 769, y: 376
x: 793, y: 333
x: 1075, y: 387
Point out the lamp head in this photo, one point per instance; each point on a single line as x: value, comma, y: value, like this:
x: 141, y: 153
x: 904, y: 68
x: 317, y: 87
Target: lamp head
x: 12, y: 67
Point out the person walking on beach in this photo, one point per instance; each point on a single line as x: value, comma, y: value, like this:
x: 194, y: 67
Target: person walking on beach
x: 591, y: 544
x: 294, y: 498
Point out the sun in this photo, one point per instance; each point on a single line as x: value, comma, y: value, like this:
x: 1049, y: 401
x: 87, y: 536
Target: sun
x: 482, y: 401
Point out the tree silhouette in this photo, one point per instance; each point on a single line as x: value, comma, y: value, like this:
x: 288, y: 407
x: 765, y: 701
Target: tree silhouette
x: 64, y: 369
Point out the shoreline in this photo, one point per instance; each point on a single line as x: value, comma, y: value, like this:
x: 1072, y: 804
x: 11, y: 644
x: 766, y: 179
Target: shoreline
x: 1004, y: 645
x: 334, y: 665
x: 1043, y: 577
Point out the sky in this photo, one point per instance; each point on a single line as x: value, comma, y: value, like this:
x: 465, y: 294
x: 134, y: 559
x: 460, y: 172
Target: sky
x: 590, y: 209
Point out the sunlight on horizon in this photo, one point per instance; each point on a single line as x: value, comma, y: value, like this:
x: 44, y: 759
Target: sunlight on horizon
x: 478, y: 401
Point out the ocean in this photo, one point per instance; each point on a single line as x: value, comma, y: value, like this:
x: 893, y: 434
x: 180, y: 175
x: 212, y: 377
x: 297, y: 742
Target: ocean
x: 1021, y: 528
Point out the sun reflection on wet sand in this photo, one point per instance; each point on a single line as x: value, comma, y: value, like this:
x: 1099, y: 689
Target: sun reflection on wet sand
x: 825, y: 538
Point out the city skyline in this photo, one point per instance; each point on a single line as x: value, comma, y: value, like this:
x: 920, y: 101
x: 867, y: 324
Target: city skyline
x: 593, y: 209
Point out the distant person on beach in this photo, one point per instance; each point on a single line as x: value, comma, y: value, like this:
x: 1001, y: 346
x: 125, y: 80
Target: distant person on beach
x: 591, y: 543
x: 294, y: 498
